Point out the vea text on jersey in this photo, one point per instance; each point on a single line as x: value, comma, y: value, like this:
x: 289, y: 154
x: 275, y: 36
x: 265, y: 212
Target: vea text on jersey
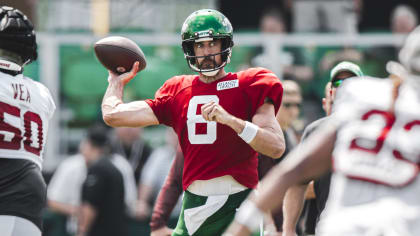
x: 20, y: 92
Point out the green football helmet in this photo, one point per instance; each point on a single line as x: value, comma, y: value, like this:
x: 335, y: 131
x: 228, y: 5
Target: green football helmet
x: 206, y: 24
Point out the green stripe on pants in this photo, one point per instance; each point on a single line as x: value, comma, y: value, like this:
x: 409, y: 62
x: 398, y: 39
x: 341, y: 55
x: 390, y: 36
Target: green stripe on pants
x: 217, y: 223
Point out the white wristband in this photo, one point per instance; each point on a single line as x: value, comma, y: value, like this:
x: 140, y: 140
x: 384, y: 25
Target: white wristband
x: 249, y: 215
x: 249, y: 132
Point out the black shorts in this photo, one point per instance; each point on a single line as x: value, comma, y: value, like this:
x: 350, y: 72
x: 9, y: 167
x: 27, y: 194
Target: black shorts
x: 22, y: 190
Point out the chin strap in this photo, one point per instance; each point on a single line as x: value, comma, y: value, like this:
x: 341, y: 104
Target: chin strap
x: 7, y: 65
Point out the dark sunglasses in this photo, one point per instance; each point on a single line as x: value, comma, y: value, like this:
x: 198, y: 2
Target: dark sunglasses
x: 292, y: 104
x: 337, y: 83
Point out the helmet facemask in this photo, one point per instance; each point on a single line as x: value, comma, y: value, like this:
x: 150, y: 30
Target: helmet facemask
x: 210, y: 59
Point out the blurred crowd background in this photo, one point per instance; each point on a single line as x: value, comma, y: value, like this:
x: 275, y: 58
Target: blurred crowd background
x: 299, y: 40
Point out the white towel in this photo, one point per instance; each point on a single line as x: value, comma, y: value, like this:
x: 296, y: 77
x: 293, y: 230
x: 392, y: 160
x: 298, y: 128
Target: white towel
x: 195, y: 217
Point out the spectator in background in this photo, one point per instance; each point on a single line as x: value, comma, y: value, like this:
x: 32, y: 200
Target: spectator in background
x: 272, y: 21
x: 288, y: 113
x: 108, y: 192
x: 290, y: 63
x: 331, y: 59
x: 327, y: 58
x: 333, y: 16
x: 403, y: 19
x: 129, y: 143
x: 294, y: 199
x: 286, y: 116
x: 64, y: 190
x: 153, y: 177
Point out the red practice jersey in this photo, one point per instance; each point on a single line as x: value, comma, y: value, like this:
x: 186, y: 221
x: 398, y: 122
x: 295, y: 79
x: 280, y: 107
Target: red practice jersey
x: 211, y: 149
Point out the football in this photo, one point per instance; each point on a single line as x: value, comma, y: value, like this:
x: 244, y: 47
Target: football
x: 118, y: 54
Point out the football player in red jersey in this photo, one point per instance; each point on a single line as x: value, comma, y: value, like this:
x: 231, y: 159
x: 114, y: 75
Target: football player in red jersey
x: 222, y: 120
x: 371, y: 143
x: 26, y: 106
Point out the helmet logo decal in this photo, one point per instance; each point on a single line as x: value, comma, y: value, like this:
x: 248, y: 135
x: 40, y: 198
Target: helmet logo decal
x: 205, y: 33
x: 226, y: 22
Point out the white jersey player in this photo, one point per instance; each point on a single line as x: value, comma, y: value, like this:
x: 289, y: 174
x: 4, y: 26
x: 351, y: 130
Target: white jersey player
x: 376, y: 156
x: 372, y: 144
x: 26, y: 107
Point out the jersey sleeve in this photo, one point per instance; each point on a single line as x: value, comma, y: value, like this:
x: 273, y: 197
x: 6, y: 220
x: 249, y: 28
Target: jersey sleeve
x: 51, y: 104
x: 161, y: 104
x: 45, y: 92
x: 262, y: 85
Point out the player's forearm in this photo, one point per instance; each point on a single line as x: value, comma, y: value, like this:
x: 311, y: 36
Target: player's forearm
x: 116, y: 113
x: 292, y: 206
x: 269, y: 142
x: 112, y: 98
x: 63, y: 208
x: 86, y: 217
x: 269, y: 139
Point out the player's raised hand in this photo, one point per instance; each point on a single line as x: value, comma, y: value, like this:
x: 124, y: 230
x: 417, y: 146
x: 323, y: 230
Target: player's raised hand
x: 126, y: 77
x: 214, y: 112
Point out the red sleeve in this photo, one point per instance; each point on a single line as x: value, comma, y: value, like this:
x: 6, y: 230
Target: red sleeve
x: 169, y: 194
x: 262, y: 84
x: 161, y: 105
